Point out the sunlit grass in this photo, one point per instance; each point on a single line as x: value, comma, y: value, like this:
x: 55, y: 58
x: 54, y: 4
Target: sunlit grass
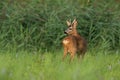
x: 49, y: 66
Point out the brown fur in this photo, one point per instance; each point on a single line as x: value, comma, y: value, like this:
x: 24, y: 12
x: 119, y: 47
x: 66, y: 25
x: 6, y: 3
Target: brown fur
x: 73, y: 43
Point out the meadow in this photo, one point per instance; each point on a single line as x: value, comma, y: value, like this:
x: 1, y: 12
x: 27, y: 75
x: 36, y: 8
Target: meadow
x: 31, y: 32
x: 49, y: 66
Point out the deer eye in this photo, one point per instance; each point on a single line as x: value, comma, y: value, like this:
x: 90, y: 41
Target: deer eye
x: 70, y: 28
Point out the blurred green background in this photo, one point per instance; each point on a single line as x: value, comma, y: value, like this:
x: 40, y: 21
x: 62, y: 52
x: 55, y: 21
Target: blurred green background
x: 40, y: 24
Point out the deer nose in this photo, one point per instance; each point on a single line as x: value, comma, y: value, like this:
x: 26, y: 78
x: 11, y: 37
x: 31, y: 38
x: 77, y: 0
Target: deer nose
x: 65, y: 32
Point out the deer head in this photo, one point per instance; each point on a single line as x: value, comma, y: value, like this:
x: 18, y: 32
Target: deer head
x: 71, y: 30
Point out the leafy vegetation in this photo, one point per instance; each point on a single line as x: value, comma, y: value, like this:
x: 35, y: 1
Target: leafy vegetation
x: 33, y: 24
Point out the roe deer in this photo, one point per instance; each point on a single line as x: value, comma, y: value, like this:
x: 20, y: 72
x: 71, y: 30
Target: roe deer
x: 73, y: 43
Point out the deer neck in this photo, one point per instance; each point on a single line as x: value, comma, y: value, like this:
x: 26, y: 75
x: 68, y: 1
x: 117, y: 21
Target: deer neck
x: 75, y: 33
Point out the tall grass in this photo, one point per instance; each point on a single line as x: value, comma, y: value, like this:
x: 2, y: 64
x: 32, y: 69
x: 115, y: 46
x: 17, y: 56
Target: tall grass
x: 39, y: 24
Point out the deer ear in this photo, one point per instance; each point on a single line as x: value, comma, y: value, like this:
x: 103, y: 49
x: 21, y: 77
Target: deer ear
x: 74, y: 23
x: 68, y: 23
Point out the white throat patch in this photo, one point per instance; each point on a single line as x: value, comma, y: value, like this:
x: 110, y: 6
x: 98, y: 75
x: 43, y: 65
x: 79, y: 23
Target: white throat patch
x: 65, y: 41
